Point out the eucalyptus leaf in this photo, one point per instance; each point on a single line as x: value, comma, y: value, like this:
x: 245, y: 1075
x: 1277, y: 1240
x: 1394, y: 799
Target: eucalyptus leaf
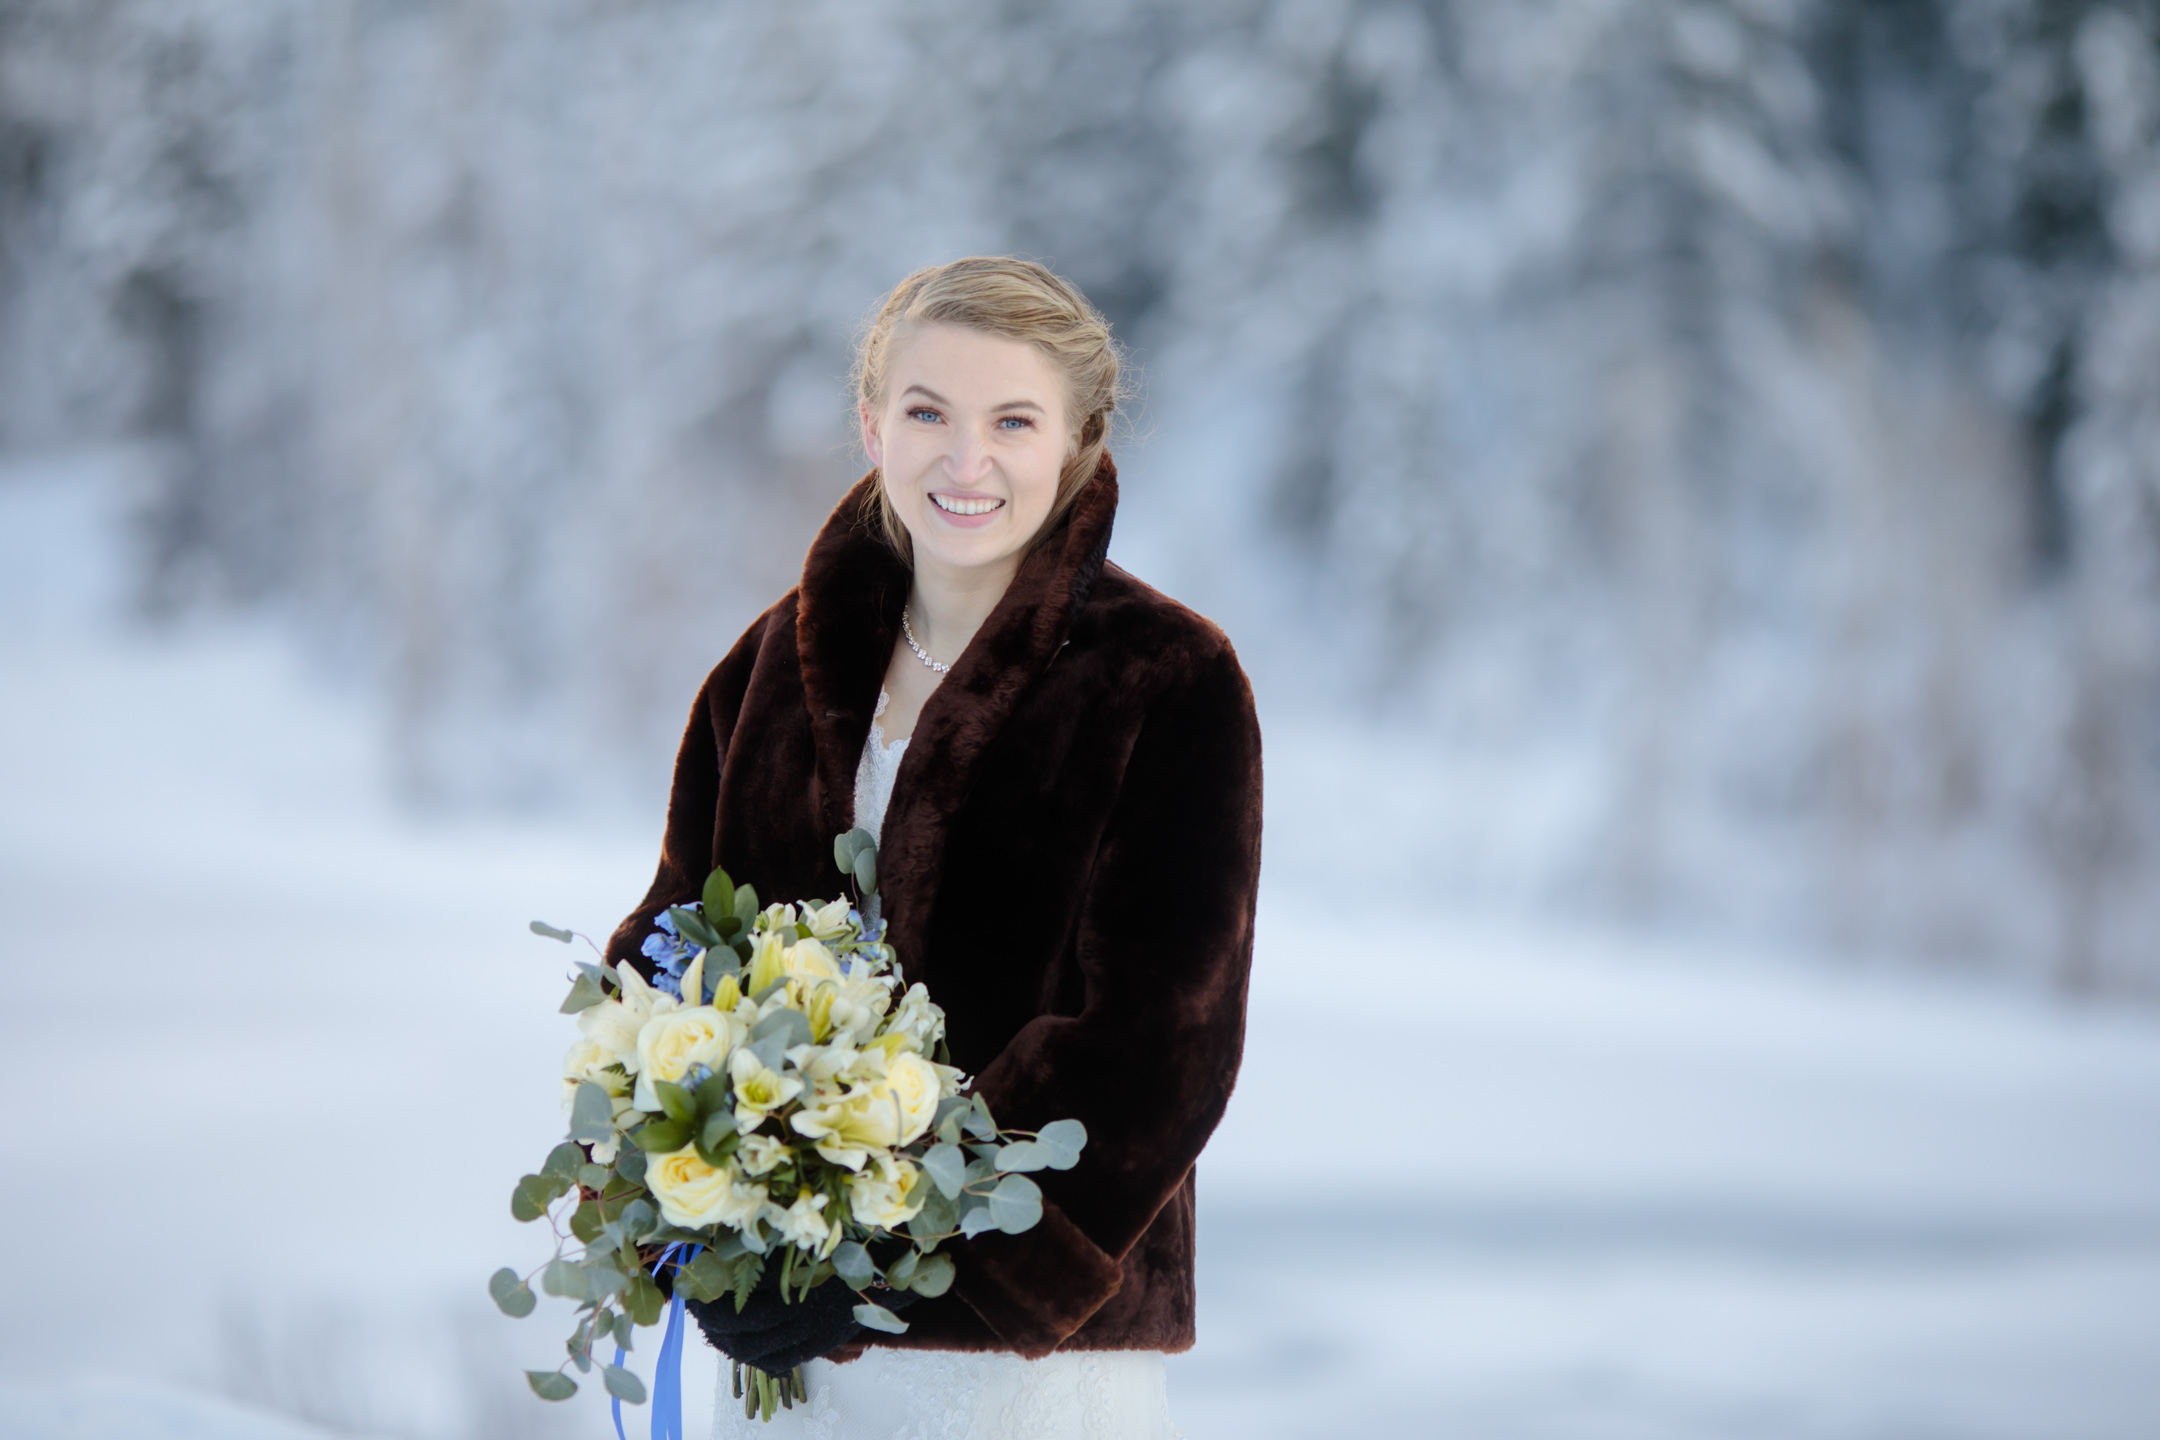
x: 1064, y: 1139
x: 900, y: 1270
x: 541, y: 927
x: 511, y: 1294
x: 562, y: 1163
x: 551, y: 1384
x: 623, y: 1385
x: 691, y: 926
x: 844, y: 848
x: 705, y: 1278
x: 727, y: 1247
x: 1016, y: 1204
x: 530, y: 1200
x: 789, y: 1023
x: 592, y: 1113
x: 1023, y: 1155
x: 565, y: 1279
x: 976, y: 1221
x: 877, y: 1317
x: 625, y: 1326
x: 947, y: 1167
x: 865, y: 870
x: 602, y: 1280
x: 630, y: 1165
x: 638, y: 1219
x: 585, y: 992
x: 940, y: 1215
x: 594, y: 1177
x: 933, y: 1277
x: 979, y: 1122
x: 585, y: 1221
x: 852, y: 1263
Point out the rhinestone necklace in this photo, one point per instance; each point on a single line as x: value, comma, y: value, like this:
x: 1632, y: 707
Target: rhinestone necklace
x: 920, y: 653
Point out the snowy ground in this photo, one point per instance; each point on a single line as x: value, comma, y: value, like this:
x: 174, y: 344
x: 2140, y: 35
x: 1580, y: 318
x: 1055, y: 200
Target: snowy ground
x: 275, y: 1048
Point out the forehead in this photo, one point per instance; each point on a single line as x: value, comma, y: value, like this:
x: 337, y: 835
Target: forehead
x: 970, y: 366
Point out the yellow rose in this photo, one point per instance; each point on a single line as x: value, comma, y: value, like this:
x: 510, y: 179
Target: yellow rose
x: 916, y: 1084
x: 888, y: 1192
x: 669, y: 1044
x: 693, y: 1194
x: 809, y: 960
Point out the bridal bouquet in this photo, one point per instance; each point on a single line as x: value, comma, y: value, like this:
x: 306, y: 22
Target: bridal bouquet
x: 773, y: 1100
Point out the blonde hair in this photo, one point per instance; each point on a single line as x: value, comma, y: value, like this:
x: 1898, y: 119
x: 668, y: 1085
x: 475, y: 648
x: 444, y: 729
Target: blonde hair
x: 1018, y: 300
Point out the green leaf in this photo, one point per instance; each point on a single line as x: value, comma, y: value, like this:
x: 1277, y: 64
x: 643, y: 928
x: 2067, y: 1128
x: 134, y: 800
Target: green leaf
x: 592, y: 1113
x: 643, y: 1302
x: 562, y: 1163
x: 853, y: 1264
x: 530, y: 1200
x: 947, y: 1167
x: 865, y: 870
x: 727, y: 927
x: 661, y: 1137
x: 692, y: 927
x: 623, y: 1385
x: 877, y: 1317
x: 585, y: 1221
x: 976, y: 1221
x: 940, y: 1215
x: 630, y: 1165
x: 845, y: 846
x: 551, y: 1384
x: 584, y: 993
x: 541, y: 927
x: 719, y: 894
x: 898, y: 1273
x: 1016, y: 1204
x: 625, y: 1327
x: 716, y: 1099
x: 1064, y: 1139
x: 676, y: 1101
x: 564, y: 1278
x: 512, y: 1296
x: 746, y: 906
x: 933, y: 1277
x: 979, y: 1122
x: 594, y: 1177
x: 1023, y: 1155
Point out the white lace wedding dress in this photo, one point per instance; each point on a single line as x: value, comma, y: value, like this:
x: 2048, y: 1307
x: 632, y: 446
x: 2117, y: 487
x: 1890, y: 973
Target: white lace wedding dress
x: 945, y: 1395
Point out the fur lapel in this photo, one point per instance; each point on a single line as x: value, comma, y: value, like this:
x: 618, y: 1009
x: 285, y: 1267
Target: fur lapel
x: 846, y: 622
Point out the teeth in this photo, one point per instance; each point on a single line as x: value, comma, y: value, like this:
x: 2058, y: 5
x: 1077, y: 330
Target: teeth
x: 966, y: 507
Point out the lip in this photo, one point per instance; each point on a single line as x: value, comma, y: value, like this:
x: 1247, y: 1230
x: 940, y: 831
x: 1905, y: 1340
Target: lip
x: 965, y: 522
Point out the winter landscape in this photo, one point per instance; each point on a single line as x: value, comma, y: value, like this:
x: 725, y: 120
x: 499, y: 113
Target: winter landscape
x: 1681, y: 476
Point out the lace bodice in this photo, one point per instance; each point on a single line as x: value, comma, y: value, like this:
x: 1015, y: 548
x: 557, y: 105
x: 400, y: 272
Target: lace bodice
x: 875, y: 773
x: 937, y: 1395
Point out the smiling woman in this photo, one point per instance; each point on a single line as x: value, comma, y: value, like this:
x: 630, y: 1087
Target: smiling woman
x: 1062, y: 770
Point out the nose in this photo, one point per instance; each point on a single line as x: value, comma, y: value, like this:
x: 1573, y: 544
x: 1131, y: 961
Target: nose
x: 969, y: 457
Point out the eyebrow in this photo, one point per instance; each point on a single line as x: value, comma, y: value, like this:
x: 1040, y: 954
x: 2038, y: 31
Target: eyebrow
x: 936, y: 399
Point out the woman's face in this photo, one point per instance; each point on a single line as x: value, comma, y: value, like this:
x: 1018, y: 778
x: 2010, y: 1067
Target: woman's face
x: 971, y: 437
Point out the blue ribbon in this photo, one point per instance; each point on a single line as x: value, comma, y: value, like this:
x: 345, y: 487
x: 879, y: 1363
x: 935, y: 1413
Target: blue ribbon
x: 667, y: 1370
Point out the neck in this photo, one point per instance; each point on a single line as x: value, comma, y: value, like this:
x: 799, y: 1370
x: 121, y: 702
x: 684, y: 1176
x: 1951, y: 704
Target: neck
x: 950, y: 605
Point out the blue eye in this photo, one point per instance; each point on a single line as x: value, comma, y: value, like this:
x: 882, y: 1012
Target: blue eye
x: 924, y: 413
x: 1020, y: 420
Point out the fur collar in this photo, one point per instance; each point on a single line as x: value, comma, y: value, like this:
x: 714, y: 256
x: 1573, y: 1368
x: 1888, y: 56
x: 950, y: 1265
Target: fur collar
x: 847, y: 618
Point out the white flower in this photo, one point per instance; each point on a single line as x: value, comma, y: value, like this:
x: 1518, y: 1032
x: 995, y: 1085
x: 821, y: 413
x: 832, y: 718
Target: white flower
x: 888, y: 1192
x: 829, y: 921
x: 760, y: 1154
x: 693, y: 1194
x: 804, y: 1223
x: 758, y: 1090
x: 589, y: 1060
x: 918, y: 1019
x: 614, y: 1024
x: 914, y: 1081
x: 670, y: 1043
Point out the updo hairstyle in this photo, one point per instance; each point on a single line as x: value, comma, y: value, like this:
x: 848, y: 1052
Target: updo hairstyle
x: 1018, y: 300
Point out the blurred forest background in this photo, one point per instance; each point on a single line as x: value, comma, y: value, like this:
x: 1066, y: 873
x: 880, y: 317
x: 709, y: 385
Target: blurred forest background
x: 1714, y: 445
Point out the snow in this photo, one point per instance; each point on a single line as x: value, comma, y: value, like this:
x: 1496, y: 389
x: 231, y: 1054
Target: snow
x: 277, y: 1046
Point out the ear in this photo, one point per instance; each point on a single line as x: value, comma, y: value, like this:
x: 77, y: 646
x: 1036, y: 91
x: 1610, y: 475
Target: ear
x: 872, y: 445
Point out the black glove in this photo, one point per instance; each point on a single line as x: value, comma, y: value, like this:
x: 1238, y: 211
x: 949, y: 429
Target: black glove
x: 775, y: 1335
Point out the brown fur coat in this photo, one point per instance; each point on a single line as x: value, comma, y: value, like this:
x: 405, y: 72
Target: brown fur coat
x: 1069, y: 863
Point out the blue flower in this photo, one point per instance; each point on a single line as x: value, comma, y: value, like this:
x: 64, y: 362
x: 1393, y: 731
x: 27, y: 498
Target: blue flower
x: 670, y: 952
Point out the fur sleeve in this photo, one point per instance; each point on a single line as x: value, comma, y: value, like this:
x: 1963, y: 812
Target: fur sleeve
x: 1165, y: 946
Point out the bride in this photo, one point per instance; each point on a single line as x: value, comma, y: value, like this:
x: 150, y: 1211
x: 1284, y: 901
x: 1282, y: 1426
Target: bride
x: 1062, y: 766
